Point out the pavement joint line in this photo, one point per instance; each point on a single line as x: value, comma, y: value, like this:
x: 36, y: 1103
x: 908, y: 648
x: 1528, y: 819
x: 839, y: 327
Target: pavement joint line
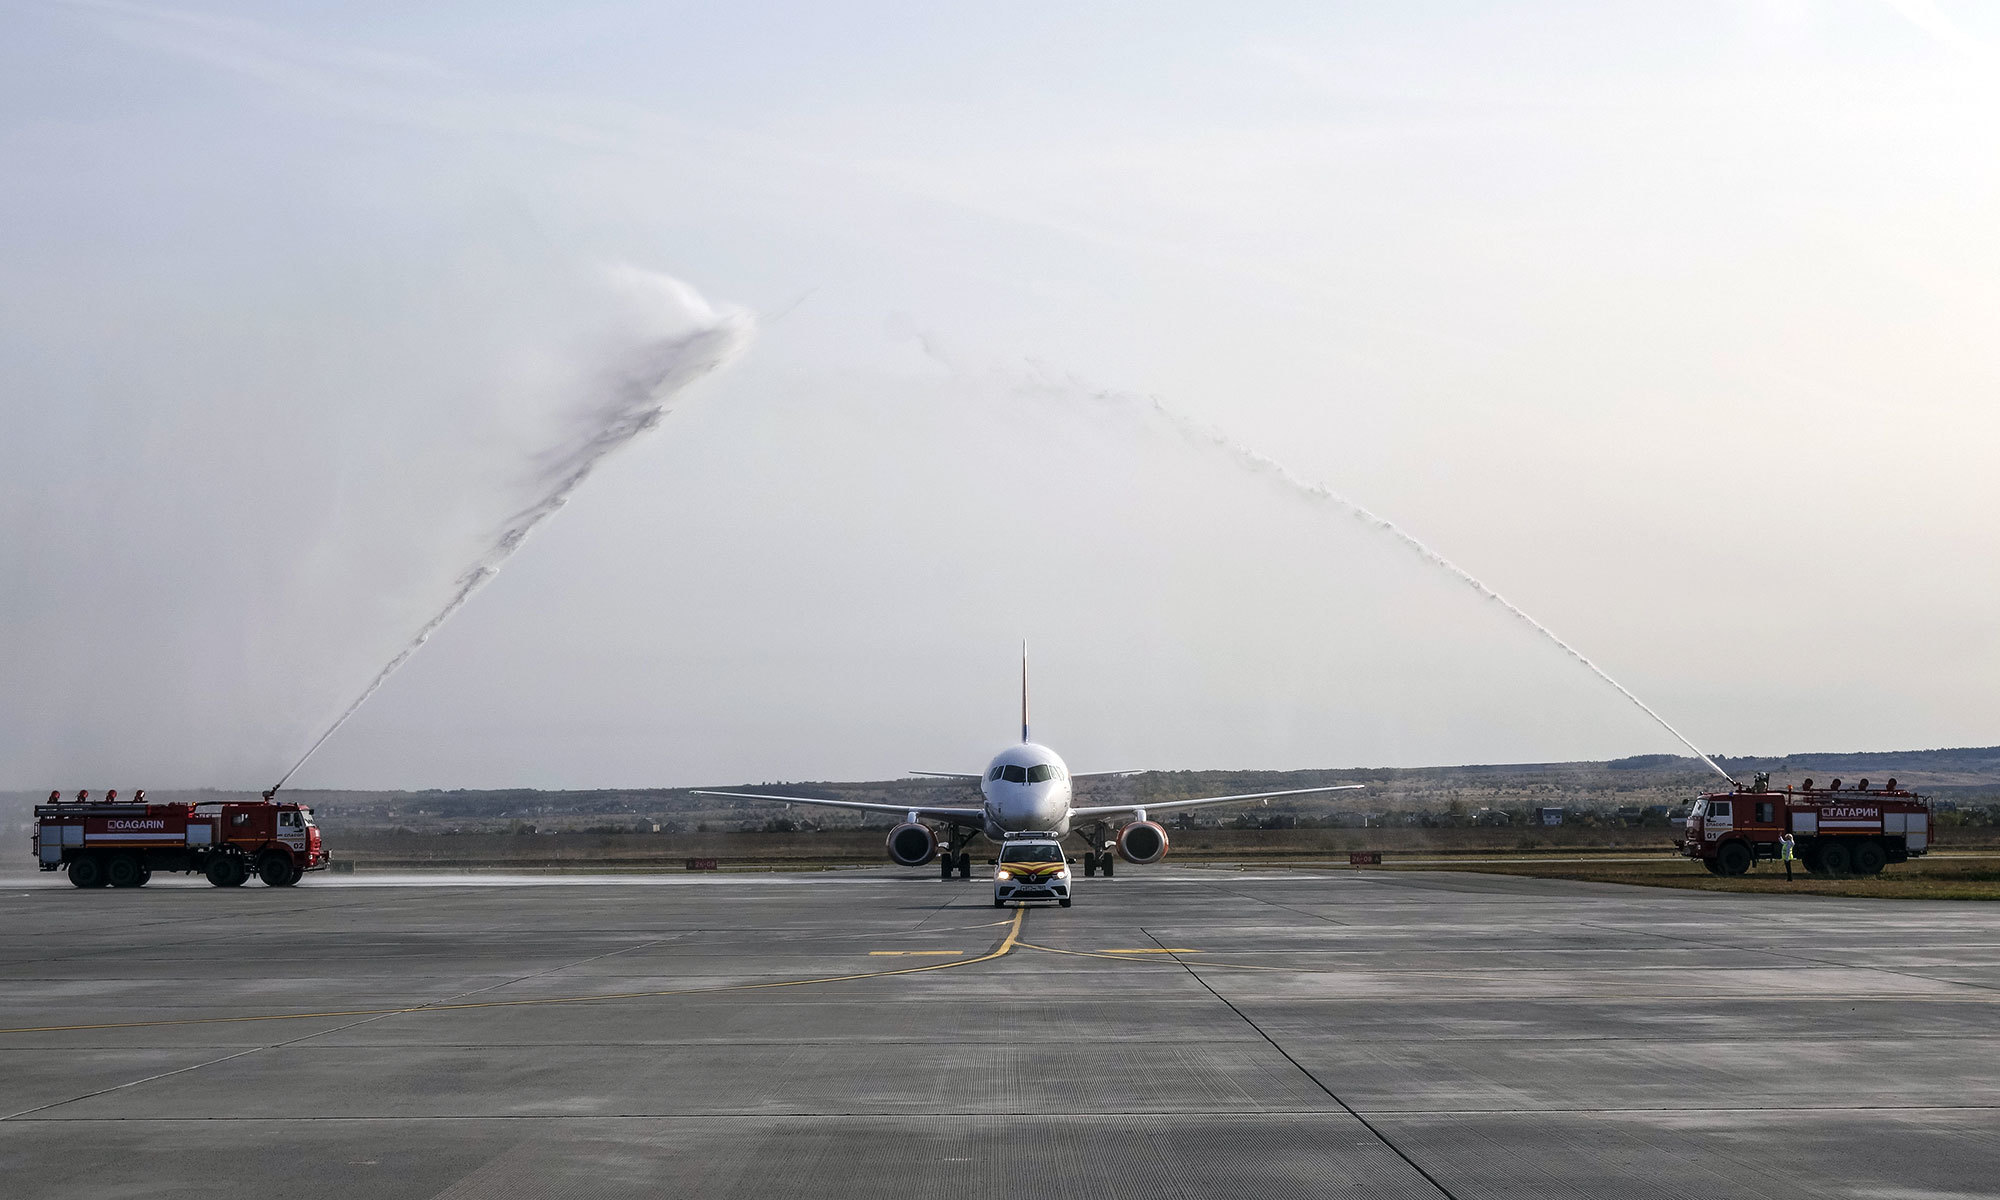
x: 105, y: 1091
x: 1316, y: 1081
x: 1087, y: 1040
x: 178, y: 922
x: 913, y: 953
x: 946, y: 906
x: 1126, y: 957
x: 1818, y: 962
x: 1274, y: 904
x: 848, y: 1115
x: 317, y: 1033
x: 1006, y: 947
x: 1115, y: 956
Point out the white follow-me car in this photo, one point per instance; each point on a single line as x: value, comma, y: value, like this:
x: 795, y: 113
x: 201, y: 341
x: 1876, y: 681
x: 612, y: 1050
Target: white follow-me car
x: 1032, y: 867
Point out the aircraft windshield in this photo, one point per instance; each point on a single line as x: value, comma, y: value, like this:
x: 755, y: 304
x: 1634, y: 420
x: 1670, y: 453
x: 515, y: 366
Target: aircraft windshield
x: 1039, y: 773
x: 1031, y: 854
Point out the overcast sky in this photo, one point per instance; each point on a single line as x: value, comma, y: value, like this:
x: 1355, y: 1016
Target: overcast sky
x: 1674, y: 323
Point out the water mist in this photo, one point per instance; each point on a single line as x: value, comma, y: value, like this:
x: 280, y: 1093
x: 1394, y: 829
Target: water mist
x: 636, y: 393
x: 1210, y: 439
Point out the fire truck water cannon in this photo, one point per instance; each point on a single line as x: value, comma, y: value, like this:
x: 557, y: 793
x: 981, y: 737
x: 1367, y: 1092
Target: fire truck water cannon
x: 122, y: 843
x: 1835, y: 830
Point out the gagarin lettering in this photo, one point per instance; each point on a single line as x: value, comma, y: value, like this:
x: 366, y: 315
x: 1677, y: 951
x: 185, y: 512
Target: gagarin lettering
x: 135, y: 824
x: 1849, y: 813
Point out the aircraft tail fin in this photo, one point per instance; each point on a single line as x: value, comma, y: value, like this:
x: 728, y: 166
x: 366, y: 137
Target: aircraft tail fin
x: 1024, y: 689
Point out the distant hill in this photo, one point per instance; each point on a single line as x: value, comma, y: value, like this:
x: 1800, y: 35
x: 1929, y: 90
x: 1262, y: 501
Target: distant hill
x: 1966, y: 776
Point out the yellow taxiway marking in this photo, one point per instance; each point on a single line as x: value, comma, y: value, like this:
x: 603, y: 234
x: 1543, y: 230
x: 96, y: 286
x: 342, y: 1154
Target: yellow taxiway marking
x: 911, y: 953
x: 1005, y: 948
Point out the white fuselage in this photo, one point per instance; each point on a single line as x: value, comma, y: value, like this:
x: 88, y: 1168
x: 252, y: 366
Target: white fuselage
x: 1026, y: 787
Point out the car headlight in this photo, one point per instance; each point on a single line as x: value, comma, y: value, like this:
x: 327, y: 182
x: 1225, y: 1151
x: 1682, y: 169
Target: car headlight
x: 1004, y: 875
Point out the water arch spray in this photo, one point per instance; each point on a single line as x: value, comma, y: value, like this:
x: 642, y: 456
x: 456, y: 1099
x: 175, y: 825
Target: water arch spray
x: 635, y: 397
x: 1213, y: 440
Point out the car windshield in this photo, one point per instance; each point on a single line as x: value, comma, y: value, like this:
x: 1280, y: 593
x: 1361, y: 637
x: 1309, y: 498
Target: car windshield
x: 1031, y: 854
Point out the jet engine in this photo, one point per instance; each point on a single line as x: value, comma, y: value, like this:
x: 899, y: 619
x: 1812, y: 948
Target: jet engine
x: 1142, y: 843
x: 912, y: 845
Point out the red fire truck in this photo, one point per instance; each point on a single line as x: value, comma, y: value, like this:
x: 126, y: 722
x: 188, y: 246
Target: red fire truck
x: 1837, y: 831
x: 122, y: 844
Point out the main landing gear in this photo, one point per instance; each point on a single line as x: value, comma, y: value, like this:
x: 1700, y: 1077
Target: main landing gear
x: 954, y: 856
x: 1096, y: 858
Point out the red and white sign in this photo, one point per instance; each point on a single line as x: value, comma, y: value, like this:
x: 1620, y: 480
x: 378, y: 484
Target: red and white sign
x: 166, y: 827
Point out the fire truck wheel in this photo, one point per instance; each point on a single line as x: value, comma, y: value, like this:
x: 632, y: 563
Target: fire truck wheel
x: 1710, y: 864
x: 1869, y: 858
x: 145, y: 875
x: 87, y: 872
x: 1733, y: 858
x: 122, y: 871
x: 224, y: 871
x: 1833, y: 859
x: 276, y: 871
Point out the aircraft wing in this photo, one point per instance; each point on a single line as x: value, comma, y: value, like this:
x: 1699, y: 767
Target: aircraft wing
x: 953, y: 816
x: 1112, y: 810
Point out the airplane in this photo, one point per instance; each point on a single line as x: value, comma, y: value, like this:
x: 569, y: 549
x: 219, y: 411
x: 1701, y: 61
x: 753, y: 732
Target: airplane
x: 1028, y: 788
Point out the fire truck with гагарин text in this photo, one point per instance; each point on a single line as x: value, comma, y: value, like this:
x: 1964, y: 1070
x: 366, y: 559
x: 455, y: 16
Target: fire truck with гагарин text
x: 1855, y: 831
x: 122, y: 843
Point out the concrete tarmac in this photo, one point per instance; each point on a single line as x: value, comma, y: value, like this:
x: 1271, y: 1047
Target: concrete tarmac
x: 1178, y: 1033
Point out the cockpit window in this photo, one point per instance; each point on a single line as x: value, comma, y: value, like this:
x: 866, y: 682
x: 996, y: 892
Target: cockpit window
x: 1014, y: 774
x: 995, y: 773
x: 1031, y: 854
x: 1041, y: 773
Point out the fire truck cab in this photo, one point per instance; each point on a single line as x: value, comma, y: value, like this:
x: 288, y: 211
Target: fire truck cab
x: 123, y: 844
x: 1855, y: 831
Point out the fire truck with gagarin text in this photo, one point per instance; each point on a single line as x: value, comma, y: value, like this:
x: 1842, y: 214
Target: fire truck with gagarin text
x: 122, y: 843
x: 1836, y: 831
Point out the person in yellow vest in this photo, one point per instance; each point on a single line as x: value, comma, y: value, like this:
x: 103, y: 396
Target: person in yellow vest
x: 1788, y: 851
